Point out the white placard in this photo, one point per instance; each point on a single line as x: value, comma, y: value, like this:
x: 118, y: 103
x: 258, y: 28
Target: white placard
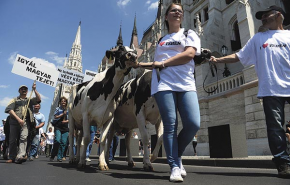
x: 38, y: 71
x: 69, y: 77
x: 89, y: 75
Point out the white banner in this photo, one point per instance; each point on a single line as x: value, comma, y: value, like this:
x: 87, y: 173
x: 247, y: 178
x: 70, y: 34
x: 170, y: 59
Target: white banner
x: 69, y: 77
x: 89, y: 75
x: 38, y: 71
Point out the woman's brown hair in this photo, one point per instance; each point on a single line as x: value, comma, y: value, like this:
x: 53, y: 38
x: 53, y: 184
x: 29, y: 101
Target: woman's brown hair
x: 62, y: 98
x: 167, y: 11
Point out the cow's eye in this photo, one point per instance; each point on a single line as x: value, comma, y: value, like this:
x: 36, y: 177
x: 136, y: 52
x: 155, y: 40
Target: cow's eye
x: 129, y: 54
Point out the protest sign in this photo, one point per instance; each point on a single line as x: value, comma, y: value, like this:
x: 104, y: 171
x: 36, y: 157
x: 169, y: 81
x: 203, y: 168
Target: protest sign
x: 38, y: 71
x: 89, y: 75
x: 69, y: 77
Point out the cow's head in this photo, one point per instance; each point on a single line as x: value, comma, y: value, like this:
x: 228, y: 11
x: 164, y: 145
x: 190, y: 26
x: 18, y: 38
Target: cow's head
x: 124, y: 57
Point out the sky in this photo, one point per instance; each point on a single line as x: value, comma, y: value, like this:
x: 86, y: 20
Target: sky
x: 45, y: 31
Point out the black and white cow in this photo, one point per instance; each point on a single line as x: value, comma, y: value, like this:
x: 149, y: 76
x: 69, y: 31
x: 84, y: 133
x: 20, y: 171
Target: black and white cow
x: 136, y: 108
x: 92, y: 103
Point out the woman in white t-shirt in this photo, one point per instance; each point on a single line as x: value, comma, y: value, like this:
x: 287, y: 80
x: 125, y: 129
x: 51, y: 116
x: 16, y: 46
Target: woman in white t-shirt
x: 176, y: 90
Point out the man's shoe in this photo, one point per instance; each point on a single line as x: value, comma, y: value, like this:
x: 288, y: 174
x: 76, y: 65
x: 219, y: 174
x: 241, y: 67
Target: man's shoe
x: 176, y: 175
x: 283, y: 170
x: 88, y: 160
x: 51, y: 159
x: 10, y: 161
x: 63, y: 158
x: 18, y: 161
x: 182, y: 171
x: 59, y: 160
x: 30, y: 158
x: 283, y: 167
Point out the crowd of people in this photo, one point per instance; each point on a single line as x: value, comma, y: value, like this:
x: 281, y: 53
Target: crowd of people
x: 174, y: 89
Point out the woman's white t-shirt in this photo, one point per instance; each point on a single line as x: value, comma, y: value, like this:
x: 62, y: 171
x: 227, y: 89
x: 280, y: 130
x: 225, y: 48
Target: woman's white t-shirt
x: 175, y: 78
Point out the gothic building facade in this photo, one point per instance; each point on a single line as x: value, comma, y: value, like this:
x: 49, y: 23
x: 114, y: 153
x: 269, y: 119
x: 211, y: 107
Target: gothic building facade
x: 232, y: 117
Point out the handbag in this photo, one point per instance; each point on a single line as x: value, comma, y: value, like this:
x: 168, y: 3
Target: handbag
x: 56, y: 121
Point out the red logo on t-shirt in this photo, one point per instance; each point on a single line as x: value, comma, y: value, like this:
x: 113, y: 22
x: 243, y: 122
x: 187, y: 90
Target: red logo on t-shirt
x: 161, y: 43
x: 265, y: 45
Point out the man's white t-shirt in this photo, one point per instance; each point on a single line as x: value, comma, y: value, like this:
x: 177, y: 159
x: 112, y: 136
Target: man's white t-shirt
x: 269, y: 52
x: 49, y: 138
x: 175, y: 78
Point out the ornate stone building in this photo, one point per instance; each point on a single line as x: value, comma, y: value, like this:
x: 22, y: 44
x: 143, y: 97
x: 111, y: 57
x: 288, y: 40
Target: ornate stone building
x: 232, y: 118
x: 73, y: 62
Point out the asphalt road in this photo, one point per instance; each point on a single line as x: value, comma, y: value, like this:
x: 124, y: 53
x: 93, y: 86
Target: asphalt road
x: 42, y: 172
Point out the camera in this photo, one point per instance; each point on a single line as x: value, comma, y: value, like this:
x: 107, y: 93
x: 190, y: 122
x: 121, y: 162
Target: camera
x: 204, y: 54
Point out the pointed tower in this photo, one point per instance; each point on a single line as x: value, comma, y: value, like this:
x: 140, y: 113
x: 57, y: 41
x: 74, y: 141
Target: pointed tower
x: 120, y: 40
x: 75, y: 57
x: 73, y: 62
x: 134, y: 37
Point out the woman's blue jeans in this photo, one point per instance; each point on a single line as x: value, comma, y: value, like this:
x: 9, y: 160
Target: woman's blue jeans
x: 275, y: 119
x: 60, y: 139
x: 187, y: 105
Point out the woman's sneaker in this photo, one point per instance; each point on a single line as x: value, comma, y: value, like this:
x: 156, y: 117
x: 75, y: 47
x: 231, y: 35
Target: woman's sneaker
x: 176, y: 175
x: 182, y: 170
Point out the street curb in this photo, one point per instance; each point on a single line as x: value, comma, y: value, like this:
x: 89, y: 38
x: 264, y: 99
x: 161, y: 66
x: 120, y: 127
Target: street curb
x: 257, y: 162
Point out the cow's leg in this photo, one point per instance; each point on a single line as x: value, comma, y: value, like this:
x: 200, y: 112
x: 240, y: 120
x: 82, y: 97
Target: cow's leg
x: 145, y: 140
x: 109, y: 141
x: 71, y: 139
x: 102, y: 162
x: 131, y: 163
x: 86, y: 140
x: 159, y: 131
x: 78, y: 145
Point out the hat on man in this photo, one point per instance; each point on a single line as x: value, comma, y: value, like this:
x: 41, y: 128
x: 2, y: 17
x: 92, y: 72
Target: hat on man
x: 23, y: 86
x: 276, y: 8
x: 3, y: 119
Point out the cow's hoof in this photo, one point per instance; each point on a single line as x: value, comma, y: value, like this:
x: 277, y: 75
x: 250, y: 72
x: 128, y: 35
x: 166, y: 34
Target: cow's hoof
x: 81, y: 166
x: 148, y: 168
x: 103, y: 167
x: 131, y: 164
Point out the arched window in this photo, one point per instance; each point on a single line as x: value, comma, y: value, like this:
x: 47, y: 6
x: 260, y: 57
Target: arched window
x: 221, y: 88
x: 231, y: 85
x: 238, y: 82
x: 235, y: 40
x: 224, y: 87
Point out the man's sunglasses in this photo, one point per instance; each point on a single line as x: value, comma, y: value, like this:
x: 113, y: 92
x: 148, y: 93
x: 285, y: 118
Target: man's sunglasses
x: 23, y: 89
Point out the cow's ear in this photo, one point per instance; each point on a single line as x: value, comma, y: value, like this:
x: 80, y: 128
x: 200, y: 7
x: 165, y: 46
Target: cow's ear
x: 110, y: 54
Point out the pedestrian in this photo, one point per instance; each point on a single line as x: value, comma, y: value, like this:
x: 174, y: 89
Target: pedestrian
x: 40, y: 121
x: 269, y: 51
x: 194, y: 144
x: 60, y: 130
x: 174, y: 87
x: 19, y: 123
x: 113, y: 147
x: 6, y: 142
x: 2, y: 137
x: 135, y: 136
x: 93, y: 130
x: 49, y: 142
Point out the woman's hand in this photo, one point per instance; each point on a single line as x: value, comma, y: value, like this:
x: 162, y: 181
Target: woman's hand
x: 157, y: 64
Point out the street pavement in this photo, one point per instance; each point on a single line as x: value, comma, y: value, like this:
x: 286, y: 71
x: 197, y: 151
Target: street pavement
x: 42, y: 172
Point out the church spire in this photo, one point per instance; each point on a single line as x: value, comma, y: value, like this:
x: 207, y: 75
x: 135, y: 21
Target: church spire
x: 134, y: 32
x: 120, y: 40
x: 134, y: 37
x: 75, y: 57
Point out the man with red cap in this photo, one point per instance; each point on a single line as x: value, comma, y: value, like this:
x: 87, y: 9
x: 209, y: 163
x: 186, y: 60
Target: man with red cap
x: 269, y: 51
